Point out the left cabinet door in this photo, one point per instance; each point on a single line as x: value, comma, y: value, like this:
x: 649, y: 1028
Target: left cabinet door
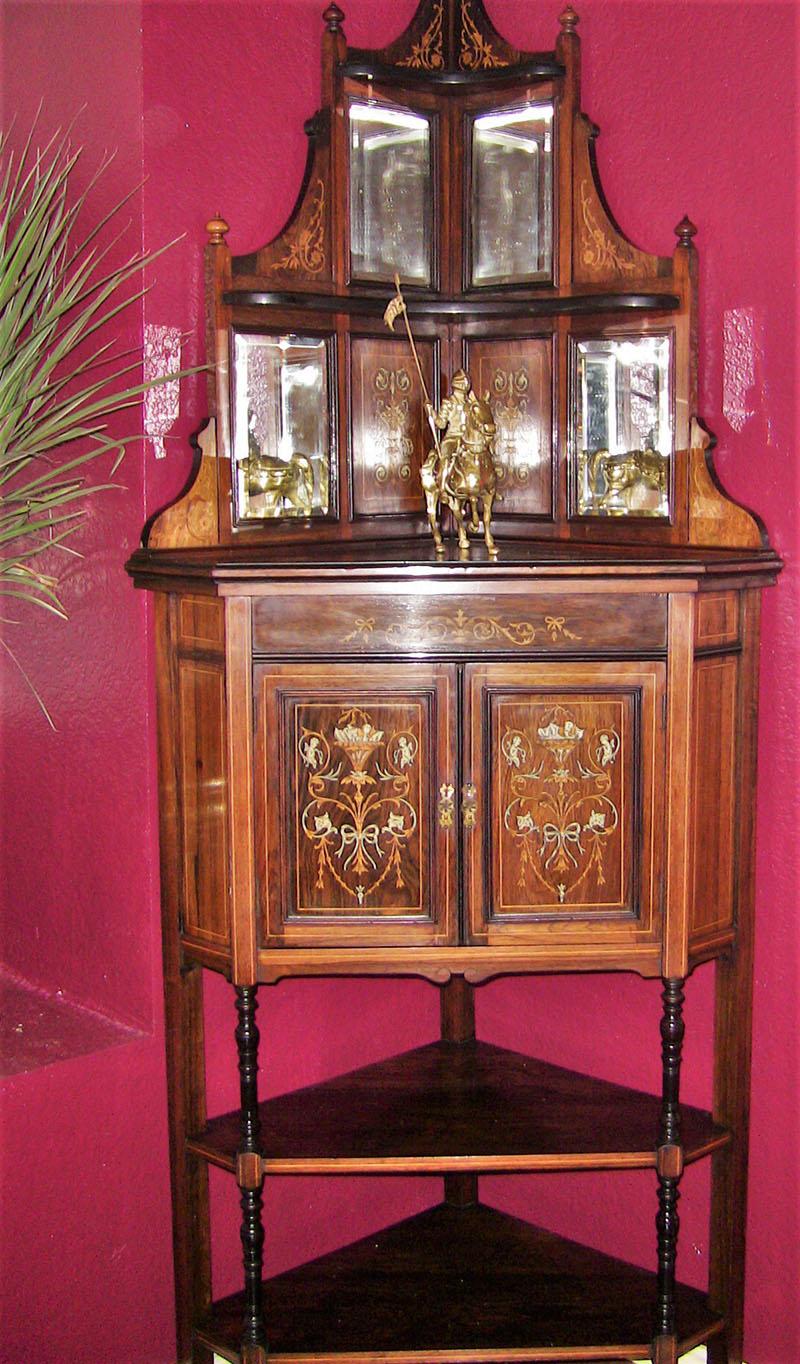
x: 355, y: 786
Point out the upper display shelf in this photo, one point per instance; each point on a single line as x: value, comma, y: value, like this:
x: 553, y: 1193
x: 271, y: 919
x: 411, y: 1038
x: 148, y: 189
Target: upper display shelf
x: 452, y: 159
x: 452, y: 329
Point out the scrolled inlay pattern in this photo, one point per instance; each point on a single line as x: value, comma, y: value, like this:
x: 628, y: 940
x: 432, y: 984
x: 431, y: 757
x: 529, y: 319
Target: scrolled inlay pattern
x: 562, y: 798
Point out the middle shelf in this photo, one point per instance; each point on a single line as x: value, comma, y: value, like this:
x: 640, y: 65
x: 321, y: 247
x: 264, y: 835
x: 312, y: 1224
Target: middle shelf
x: 454, y: 1107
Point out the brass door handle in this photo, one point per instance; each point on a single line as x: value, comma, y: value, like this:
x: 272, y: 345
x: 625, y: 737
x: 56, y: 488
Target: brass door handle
x: 469, y: 806
x: 447, y: 806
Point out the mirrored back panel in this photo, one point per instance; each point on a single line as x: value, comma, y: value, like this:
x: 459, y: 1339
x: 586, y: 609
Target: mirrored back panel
x: 391, y: 193
x: 282, y: 429
x: 622, y: 425
x: 511, y: 197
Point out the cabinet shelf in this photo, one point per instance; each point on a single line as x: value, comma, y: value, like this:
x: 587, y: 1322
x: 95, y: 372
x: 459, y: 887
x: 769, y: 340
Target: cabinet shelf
x: 457, y: 1106
x: 463, y: 308
x: 512, y: 1291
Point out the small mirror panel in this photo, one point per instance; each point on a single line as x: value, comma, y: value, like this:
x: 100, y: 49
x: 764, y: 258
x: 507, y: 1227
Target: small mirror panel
x: 511, y: 212
x: 623, y: 426
x: 281, y: 427
x: 391, y: 198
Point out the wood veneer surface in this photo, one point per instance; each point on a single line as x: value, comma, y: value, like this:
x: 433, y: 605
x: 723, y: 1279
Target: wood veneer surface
x: 460, y: 1100
x: 460, y: 1280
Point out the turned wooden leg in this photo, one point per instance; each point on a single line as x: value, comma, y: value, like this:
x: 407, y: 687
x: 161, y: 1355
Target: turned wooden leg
x: 669, y: 1168
x: 457, y: 1006
x: 250, y: 1178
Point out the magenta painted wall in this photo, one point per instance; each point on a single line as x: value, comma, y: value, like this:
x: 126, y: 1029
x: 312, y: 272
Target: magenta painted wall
x: 698, y: 109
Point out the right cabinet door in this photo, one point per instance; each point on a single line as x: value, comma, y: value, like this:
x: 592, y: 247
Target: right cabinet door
x: 562, y: 805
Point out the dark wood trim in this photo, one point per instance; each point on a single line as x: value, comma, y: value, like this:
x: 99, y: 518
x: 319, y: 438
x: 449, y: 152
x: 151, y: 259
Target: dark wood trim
x: 507, y: 306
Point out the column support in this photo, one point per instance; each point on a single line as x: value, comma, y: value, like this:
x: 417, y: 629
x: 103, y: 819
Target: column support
x: 250, y: 1177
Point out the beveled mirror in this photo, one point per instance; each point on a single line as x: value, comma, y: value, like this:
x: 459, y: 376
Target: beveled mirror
x: 511, y: 200
x: 282, y: 426
x: 622, y: 425
x: 391, y: 180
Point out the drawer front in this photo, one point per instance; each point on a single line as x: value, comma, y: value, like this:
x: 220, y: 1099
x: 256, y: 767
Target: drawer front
x: 453, y: 625
x: 564, y: 769
x: 355, y: 804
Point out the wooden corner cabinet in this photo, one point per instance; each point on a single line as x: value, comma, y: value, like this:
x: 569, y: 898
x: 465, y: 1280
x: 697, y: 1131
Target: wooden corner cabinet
x: 380, y: 759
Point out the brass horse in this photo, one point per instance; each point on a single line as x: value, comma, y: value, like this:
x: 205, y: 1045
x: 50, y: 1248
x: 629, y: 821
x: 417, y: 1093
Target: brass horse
x: 464, y: 478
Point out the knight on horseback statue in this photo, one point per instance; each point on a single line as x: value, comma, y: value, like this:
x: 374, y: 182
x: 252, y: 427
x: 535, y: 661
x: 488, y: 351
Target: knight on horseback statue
x: 459, y: 471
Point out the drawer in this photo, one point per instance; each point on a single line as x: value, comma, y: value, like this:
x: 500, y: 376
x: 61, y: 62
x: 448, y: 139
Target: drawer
x: 370, y: 625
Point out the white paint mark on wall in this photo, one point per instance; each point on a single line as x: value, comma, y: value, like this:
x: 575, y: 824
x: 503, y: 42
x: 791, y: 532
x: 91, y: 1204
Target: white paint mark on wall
x: 162, y: 355
x: 739, y: 366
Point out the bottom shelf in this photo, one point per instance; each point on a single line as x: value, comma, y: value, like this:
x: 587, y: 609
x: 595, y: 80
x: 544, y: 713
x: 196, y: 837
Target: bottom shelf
x: 460, y: 1284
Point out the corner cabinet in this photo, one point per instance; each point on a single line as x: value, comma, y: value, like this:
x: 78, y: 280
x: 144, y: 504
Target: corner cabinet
x: 376, y: 758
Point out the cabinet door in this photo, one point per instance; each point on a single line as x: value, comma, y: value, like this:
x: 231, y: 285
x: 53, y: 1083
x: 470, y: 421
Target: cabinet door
x: 355, y: 801
x: 563, y: 808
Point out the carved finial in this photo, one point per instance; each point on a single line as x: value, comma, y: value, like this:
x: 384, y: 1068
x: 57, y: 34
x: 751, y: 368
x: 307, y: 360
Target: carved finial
x: 569, y: 20
x: 216, y: 229
x: 685, y: 231
x: 334, y: 18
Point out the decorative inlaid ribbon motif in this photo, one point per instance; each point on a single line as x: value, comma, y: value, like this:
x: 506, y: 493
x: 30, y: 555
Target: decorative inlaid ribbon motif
x: 360, y: 816
x: 461, y: 628
x: 561, y: 815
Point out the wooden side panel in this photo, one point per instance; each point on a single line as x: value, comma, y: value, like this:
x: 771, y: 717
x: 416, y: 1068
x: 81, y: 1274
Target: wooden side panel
x: 714, y: 771
x: 566, y: 765
x: 716, y: 620
x: 389, y: 433
x: 357, y: 840
x: 204, y: 802
x: 601, y: 254
x: 517, y: 375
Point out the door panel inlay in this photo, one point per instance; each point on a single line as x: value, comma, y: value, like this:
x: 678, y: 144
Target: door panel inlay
x: 352, y: 761
x: 561, y: 793
x: 359, y: 806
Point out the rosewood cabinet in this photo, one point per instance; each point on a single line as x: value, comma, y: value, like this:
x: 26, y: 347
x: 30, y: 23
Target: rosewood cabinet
x: 376, y: 759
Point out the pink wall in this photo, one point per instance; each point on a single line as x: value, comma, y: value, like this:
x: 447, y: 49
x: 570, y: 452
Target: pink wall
x: 697, y: 107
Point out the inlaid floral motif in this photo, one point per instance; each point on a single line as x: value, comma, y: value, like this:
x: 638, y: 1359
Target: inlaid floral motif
x: 462, y: 628
x: 361, y: 806
x: 563, y: 810
x: 391, y: 389
x: 306, y: 251
x: 427, y: 54
x: 598, y: 252
x: 477, y: 53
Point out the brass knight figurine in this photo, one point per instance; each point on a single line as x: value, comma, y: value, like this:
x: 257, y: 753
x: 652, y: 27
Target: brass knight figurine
x: 459, y: 471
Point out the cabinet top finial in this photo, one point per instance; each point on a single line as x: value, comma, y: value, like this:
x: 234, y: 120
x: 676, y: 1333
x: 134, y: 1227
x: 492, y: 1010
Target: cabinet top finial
x: 334, y: 18
x: 685, y: 231
x: 569, y: 19
x: 216, y: 229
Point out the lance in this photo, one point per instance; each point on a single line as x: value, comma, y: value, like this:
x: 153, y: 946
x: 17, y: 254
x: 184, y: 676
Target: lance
x: 396, y: 308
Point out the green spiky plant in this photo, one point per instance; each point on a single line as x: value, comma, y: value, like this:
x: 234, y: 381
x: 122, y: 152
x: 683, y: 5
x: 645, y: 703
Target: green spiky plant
x: 61, y: 378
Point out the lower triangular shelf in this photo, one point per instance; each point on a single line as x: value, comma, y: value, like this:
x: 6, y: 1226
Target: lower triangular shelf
x: 457, y: 1284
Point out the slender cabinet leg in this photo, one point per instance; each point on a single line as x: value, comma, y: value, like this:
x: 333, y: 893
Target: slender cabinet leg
x: 457, y: 1013
x: 669, y: 1168
x: 250, y: 1178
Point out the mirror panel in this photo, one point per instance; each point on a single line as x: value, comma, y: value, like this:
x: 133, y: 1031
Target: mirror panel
x: 281, y: 427
x: 391, y: 194
x: 622, y: 425
x: 511, y: 210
